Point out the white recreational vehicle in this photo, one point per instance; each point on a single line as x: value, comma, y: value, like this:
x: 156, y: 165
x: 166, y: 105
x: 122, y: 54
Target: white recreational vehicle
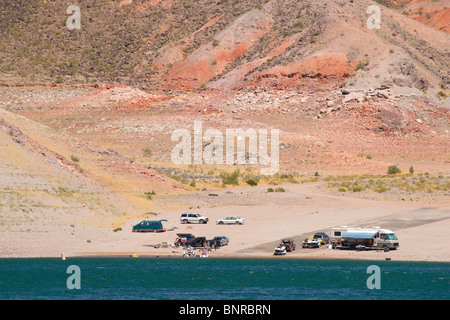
x: 368, y: 238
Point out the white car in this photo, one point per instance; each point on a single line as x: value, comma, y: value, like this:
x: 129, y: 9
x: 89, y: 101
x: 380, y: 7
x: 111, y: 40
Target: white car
x: 193, y: 218
x: 230, y: 220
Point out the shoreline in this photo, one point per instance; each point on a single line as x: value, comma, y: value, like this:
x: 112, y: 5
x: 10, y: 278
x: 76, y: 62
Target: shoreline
x: 177, y: 255
x: 148, y: 256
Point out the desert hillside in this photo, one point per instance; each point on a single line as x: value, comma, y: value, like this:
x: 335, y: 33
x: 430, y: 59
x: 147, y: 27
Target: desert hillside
x: 176, y: 44
x: 435, y: 13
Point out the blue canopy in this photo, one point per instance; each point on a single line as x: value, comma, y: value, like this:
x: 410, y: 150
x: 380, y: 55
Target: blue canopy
x: 359, y: 234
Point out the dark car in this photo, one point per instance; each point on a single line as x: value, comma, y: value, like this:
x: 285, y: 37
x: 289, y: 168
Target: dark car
x: 321, y: 235
x: 219, y: 241
x: 189, y: 240
x: 149, y: 226
x: 182, y: 238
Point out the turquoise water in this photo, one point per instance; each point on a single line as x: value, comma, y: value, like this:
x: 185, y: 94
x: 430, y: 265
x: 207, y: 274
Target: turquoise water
x: 220, y: 279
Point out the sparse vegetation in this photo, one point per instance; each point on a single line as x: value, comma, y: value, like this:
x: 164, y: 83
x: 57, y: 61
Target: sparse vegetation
x: 357, y: 189
x: 393, y: 169
x: 149, y: 194
x: 398, y: 183
x: 230, y: 178
x: 362, y: 64
x: 147, y: 152
x: 442, y: 95
x: 380, y: 189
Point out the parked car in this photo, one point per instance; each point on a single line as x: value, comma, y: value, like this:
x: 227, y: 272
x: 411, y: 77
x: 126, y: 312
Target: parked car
x: 289, y: 244
x: 182, y: 238
x: 149, y: 226
x: 189, y: 240
x: 315, y: 241
x: 323, y: 236
x: 230, y: 220
x: 193, y: 218
x: 286, y: 245
x: 219, y: 241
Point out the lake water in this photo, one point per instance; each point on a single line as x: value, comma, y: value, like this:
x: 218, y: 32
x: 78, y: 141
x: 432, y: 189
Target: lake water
x: 219, y: 279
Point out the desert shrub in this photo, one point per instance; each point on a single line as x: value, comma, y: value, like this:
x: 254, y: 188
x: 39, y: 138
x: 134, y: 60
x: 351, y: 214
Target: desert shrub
x: 270, y: 190
x: 362, y: 64
x: 441, y: 94
x: 251, y: 182
x: 393, y: 169
x: 147, y: 152
x: 380, y: 189
x: 149, y: 194
x: 280, y: 190
x: 188, y: 50
x: 230, y: 178
x: 298, y: 24
x: 74, y: 158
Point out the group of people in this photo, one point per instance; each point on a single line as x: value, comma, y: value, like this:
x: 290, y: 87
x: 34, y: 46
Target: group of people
x: 190, y: 252
x: 181, y: 242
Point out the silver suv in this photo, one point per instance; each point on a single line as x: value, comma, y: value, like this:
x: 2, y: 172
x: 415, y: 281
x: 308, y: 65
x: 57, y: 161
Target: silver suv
x: 193, y: 218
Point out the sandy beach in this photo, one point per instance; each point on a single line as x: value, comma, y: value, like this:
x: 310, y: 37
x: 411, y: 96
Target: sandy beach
x: 421, y: 226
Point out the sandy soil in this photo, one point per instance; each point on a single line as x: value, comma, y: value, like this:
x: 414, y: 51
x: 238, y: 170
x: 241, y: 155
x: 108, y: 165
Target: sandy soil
x: 421, y: 226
